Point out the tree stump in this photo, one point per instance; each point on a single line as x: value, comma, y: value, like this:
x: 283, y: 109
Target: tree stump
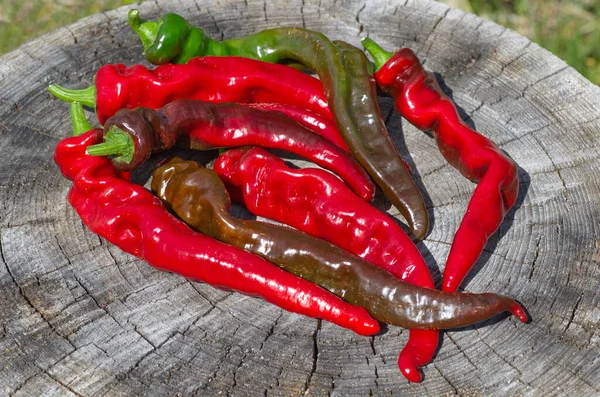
x: 80, y: 317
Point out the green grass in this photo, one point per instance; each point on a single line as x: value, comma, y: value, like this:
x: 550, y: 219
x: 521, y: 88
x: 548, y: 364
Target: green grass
x: 21, y: 20
x: 573, y: 35
x: 568, y: 29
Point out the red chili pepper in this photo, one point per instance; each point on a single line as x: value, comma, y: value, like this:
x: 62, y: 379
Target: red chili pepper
x: 209, y: 125
x: 133, y: 219
x: 210, y: 79
x: 318, y: 203
x: 315, y: 122
x: 421, y: 101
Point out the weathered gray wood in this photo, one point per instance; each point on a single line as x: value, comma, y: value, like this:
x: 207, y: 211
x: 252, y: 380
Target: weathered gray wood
x: 79, y: 317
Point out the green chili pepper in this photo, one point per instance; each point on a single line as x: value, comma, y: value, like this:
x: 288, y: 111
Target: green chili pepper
x: 346, y: 75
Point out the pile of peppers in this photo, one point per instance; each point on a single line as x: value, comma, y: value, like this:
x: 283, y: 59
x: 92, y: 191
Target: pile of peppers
x: 335, y: 256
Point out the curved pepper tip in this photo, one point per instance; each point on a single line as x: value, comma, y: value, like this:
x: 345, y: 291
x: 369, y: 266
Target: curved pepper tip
x: 450, y: 283
x: 408, y: 367
x: 420, y: 228
x: 519, y: 312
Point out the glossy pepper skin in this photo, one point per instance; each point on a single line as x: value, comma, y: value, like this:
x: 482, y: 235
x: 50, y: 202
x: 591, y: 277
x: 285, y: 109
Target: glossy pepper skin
x: 137, y: 133
x: 133, y: 219
x: 420, y: 100
x: 210, y: 79
x: 316, y: 202
x: 200, y: 199
x: 349, y: 86
x: 313, y: 121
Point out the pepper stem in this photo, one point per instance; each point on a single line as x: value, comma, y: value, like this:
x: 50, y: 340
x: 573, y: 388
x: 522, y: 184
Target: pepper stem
x: 78, y: 120
x: 117, y: 144
x: 379, y: 55
x: 86, y: 96
x: 146, y: 30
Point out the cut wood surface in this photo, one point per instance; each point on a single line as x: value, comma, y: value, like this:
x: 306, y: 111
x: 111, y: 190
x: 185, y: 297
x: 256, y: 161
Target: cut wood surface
x: 80, y: 317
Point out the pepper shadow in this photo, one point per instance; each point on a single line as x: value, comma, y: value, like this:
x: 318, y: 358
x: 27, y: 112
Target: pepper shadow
x: 143, y: 174
x: 394, y: 123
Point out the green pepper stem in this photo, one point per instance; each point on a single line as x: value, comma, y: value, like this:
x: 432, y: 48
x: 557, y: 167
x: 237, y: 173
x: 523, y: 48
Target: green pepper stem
x: 117, y: 143
x: 379, y: 55
x: 78, y: 120
x: 146, y: 30
x: 86, y: 96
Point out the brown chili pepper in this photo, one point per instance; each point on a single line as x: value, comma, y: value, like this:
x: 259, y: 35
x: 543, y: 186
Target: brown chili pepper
x: 200, y: 199
x: 205, y: 125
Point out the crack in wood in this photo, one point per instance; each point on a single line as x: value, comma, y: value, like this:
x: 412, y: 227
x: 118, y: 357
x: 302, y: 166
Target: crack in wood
x: 65, y: 385
x: 372, y: 345
x: 537, y: 341
x: 460, y: 349
x: 511, y: 365
x: 454, y: 388
x: 565, y: 190
x: 435, y: 170
x: 280, y: 371
x: 218, y: 368
x: 35, y: 58
x: 88, y: 293
x: 116, y: 264
x: 475, y: 110
x: 125, y: 298
x: 73, y: 35
x: 153, y: 351
x: 575, y: 307
x: 45, y: 371
x: 214, y: 21
x: 31, y: 304
x: 535, y: 258
x: 526, y: 134
x: 197, y: 287
x: 478, y: 26
x: 361, y: 27
x: 315, y: 357
x: 523, y: 51
x: 546, y: 77
x: 431, y: 33
x: 22, y: 384
x: 144, y: 337
x: 265, y: 11
x: 236, y: 369
x: 302, y: 4
x: 271, y: 331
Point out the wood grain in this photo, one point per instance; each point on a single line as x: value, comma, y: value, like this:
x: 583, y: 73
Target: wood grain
x: 81, y: 318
